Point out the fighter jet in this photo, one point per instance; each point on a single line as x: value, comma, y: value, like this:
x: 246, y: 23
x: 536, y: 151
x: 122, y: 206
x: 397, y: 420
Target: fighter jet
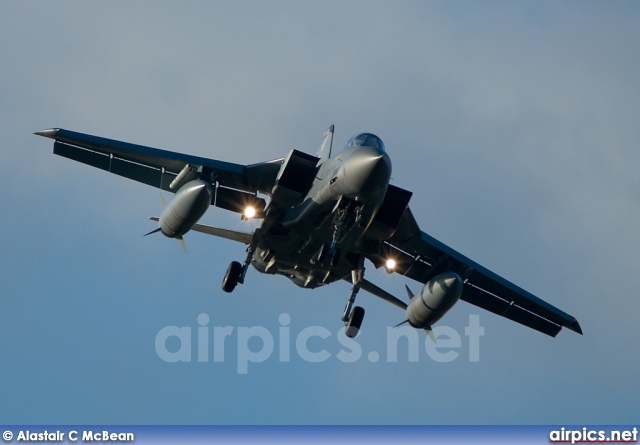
x: 321, y: 217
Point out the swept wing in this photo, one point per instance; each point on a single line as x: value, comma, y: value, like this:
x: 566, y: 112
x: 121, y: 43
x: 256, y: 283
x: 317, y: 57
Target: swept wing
x: 159, y: 168
x: 420, y: 257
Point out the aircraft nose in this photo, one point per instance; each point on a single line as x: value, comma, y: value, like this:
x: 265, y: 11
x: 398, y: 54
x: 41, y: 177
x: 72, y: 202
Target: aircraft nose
x: 368, y: 169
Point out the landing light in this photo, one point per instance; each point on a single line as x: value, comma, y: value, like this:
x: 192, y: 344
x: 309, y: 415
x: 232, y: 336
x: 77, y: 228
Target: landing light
x: 249, y: 212
x: 390, y: 265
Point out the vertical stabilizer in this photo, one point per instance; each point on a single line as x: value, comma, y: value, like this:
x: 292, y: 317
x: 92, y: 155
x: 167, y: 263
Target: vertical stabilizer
x: 324, y: 152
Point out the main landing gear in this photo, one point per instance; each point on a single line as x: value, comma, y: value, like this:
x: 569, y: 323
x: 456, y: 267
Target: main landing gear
x: 236, y: 272
x: 232, y: 277
x: 353, y: 316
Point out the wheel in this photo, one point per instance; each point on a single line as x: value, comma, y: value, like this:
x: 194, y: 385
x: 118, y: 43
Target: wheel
x: 355, y: 321
x: 231, y: 277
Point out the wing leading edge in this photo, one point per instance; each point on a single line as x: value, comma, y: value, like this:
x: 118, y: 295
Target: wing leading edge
x: 155, y: 167
x: 419, y: 256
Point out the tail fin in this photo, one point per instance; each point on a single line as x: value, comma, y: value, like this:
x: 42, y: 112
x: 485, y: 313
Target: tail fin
x: 411, y: 294
x: 324, y: 152
x: 429, y: 332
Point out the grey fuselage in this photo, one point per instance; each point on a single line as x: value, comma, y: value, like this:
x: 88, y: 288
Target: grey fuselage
x: 343, y: 199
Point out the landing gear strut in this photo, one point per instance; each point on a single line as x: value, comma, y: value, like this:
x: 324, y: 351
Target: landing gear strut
x: 338, y: 228
x: 245, y: 266
x: 345, y: 220
x: 236, y: 271
x: 352, y: 316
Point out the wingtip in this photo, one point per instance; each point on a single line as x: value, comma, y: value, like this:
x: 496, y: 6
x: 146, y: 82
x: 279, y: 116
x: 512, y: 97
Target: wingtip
x: 572, y: 326
x: 48, y: 133
x: 576, y: 327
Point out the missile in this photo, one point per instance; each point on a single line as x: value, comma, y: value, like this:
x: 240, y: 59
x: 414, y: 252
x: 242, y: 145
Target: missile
x: 190, y: 203
x: 437, y: 296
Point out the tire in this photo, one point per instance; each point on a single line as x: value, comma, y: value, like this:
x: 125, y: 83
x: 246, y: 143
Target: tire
x: 355, y: 321
x: 231, y: 277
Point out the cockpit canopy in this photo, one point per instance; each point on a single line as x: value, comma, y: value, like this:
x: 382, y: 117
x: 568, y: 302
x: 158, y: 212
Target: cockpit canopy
x: 366, y: 140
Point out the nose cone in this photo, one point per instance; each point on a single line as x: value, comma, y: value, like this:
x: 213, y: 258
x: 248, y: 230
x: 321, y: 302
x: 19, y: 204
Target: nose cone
x: 443, y: 291
x: 194, y: 198
x: 368, y: 169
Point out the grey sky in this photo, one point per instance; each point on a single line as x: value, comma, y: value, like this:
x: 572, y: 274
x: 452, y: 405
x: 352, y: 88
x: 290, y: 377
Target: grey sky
x: 515, y: 124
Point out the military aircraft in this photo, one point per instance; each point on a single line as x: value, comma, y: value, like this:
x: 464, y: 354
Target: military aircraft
x: 322, y: 216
